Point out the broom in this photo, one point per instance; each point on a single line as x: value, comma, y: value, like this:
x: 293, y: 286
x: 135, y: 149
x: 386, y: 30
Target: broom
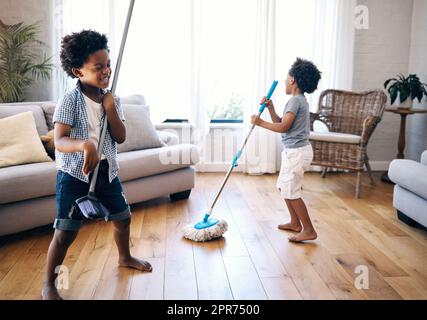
x: 90, y: 206
x: 211, y: 228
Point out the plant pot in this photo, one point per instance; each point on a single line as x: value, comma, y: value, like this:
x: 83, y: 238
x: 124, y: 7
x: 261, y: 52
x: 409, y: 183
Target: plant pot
x: 407, y: 104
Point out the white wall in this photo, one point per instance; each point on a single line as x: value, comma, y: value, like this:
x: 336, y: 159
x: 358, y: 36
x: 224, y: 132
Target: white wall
x: 30, y: 11
x: 417, y: 124
x: 381, y: 52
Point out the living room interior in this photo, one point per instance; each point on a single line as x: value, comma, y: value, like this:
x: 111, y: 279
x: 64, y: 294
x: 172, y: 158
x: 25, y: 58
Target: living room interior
x: 193, y: 73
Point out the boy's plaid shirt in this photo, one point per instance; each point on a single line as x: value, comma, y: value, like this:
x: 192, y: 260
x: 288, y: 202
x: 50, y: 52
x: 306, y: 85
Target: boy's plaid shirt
x: 71, y: 110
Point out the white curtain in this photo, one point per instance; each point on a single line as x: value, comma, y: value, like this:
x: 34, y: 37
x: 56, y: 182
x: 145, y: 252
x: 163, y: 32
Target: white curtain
x: 333, y: 45
x: 198, y: 112
x: 189, y: 56
x: 260, y: 154
x: 318, y: 30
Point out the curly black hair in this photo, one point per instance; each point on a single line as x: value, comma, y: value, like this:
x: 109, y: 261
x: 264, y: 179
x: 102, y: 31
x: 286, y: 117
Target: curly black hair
x: 78, y: 46
x: 306, y: 75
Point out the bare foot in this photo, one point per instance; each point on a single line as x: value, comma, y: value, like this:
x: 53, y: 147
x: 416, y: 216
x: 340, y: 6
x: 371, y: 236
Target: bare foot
x: 303, y: 236
x: 135, y: 263
x: 50, y: 293
x: 290, y: 227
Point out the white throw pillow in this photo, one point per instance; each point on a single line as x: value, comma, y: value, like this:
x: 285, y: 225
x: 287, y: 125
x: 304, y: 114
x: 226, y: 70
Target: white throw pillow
x: 140, y: 132
x: 20, y: 142
x: 319, y: 126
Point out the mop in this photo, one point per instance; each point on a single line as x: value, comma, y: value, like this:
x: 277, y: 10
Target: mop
x: 211, y: 228
x: 90, y: 206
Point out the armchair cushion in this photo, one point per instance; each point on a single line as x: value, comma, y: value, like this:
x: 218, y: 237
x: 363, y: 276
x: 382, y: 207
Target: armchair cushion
x: 335, y: 137
x: 410, y: 175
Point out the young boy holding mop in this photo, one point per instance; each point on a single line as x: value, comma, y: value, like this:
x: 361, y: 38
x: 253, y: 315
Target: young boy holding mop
x: 297, y: 154
x: 78, y: 119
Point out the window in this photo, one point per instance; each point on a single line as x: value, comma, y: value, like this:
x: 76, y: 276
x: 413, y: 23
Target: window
x: 159, y: 57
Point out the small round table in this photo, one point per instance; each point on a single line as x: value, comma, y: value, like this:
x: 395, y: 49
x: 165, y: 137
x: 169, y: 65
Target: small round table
x: 401, y: 144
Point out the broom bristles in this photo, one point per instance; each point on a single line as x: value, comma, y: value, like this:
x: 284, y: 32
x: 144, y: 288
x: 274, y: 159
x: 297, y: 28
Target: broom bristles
x: 201, y: 235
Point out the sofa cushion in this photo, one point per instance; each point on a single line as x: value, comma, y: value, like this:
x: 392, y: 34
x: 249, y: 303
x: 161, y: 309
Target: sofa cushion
x: 140, y: 132
x: 39, y: 117
x: 335, y: 137
x: 168, y: 138
x: 410, y: 175
x: 49, y: 110
x: 148, y: 162
x: 27, y: 181
x: 19, y: 141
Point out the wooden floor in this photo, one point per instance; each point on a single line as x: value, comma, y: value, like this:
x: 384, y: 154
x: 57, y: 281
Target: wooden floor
x: 254, y: 260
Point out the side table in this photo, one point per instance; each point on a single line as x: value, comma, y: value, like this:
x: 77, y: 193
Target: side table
x: 401, y: 143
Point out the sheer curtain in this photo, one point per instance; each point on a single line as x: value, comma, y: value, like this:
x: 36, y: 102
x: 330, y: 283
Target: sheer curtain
x: 190, y: 56
x: 318, y: 30
x: 260, y: 154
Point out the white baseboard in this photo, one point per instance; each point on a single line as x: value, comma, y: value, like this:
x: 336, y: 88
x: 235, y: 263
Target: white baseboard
x: 223, y: 166
x: 216, y: 167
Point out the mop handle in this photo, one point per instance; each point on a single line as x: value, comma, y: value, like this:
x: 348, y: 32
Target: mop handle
x: 239, y: 153
x: 113, y: 89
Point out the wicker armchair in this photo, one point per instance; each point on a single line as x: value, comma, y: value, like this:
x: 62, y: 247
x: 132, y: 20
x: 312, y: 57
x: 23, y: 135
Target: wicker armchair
x: 351, y: 119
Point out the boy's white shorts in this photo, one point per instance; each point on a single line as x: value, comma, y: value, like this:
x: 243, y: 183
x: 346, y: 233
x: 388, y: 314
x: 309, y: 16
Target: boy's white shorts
x: 295, y: 162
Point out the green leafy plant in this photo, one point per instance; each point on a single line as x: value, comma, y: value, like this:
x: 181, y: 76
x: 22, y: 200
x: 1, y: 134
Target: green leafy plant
x: 407, y: 87
x: 233, y: 109
x: 20, y: 60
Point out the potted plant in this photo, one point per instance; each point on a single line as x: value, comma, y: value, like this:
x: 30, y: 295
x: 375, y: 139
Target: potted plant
x: 407, y: 89
x: 20, y: 63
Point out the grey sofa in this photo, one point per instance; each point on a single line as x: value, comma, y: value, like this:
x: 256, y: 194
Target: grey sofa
x: 410, y: 191
x: 27, y: 192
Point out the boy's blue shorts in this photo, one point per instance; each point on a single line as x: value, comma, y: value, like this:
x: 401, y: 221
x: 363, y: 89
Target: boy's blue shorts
x: 69, y: 189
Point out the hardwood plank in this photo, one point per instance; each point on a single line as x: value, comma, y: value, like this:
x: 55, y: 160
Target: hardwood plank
x: 114, y: 282
x: 362, y: 246
x: 407, y: 287
x: 12, y: 251
x: 244, y: 281
x: 180, y: 276
x: 280, y: 288
x: 404, y: 251
x: 390, y: 214
x: 85, y: 275
x: 260, y: 250
x: 305, y: 277
x: 149, y: 286
x: 378, y: 288
x: 334, y: 276
x: 19, y: 279
x: 212, y: 281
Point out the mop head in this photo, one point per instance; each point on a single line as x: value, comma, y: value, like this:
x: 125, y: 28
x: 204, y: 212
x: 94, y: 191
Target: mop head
x: 205, y: 230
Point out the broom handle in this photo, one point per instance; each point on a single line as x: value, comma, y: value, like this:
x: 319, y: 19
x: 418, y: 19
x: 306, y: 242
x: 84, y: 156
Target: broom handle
x: 239, y: 153
x: 113, y: 89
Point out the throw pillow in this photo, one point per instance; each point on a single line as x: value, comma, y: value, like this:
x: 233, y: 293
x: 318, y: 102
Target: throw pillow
x: 20, y: 142
x: 38, y: 114
x: 140, y: 132
x: 49, y: 143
